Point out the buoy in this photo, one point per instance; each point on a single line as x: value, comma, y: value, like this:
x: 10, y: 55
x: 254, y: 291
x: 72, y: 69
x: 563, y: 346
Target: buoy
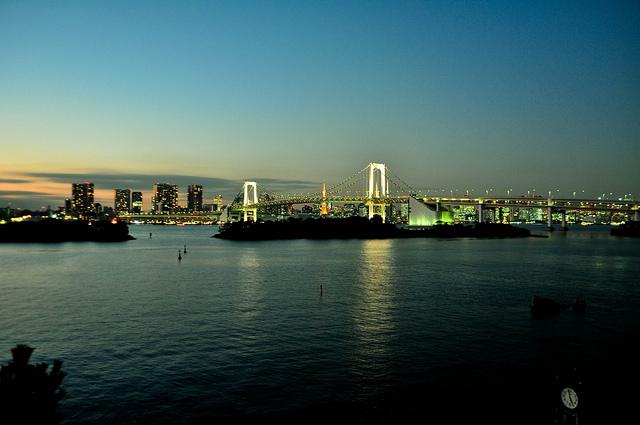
x: 320, y: 290
x: 179, y: 256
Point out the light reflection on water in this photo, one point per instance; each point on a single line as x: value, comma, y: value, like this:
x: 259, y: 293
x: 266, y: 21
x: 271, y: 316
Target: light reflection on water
x: 373, y: 310
x: 249, y: 283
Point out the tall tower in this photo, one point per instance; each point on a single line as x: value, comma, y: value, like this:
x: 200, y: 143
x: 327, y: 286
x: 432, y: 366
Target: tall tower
x: 249, y: 201
x: 122, y: 202
x: 250, y: 193
x: 377, y: 181
x: 194, y: 197
x: 378, y: 190
x: 323, y: 209
x: 82, y: 199
x: 165, y: 198
x: 136, y: 202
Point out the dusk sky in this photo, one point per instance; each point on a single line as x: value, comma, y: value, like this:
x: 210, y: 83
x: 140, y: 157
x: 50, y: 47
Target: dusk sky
x: 464, y: 95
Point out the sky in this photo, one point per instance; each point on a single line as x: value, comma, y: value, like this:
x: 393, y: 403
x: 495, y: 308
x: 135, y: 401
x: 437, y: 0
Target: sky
x: 450, y: 95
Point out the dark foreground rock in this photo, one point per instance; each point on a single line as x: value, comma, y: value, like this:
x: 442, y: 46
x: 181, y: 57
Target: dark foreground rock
x: 358, y: 228
x: 51, y: 230
x: 29, y: 394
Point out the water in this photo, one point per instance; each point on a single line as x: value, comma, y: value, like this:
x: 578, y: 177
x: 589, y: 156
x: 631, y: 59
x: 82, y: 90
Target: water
x: 239, y: 330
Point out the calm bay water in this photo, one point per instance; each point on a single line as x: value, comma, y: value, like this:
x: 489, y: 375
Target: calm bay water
x: 438, y: 328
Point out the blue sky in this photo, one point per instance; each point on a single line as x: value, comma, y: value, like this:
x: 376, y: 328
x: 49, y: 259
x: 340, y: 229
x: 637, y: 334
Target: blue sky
x: 449, y: 94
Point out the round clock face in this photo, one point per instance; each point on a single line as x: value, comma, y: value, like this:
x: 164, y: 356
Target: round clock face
x: 569, y: 398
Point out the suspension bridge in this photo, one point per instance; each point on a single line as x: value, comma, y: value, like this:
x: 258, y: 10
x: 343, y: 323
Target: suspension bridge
x: 377, y: 188
x: 377, y: 191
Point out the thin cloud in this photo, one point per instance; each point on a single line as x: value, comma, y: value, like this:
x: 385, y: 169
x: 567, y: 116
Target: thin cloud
x: 14, y: 181
x: 105, y: 182
x: 144, y: 182
x: 28, y: 199
x: 21, y: 193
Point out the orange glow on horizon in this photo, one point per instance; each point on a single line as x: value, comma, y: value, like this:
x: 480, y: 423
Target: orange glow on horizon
x: 35, y: 188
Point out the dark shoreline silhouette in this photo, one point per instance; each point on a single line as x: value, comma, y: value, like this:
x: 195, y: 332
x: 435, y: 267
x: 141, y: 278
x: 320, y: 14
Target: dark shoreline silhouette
x: 630, y: 229
x: 52, y: 230
x: 358, y: 228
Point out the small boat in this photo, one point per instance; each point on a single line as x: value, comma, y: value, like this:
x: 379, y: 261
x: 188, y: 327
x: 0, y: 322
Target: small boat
x: 545, y: 307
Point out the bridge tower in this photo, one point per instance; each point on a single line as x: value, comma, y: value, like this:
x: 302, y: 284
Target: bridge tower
x: 377, y: 190
x: 249, y: 200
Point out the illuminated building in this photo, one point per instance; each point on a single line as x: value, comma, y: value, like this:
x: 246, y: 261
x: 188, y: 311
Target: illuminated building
x: 218, y: 201
x: 136, y: 202
x: 122, y: 202
x: 194, y: 197
x: 82, y: 199
x: 216, y: 205
x: 363, y: 210
x: 464, y: 214
x: 400, y: 212
x: 165, y: 198
x: 421, y: 214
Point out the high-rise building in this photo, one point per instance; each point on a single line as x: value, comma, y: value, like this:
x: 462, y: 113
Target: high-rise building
x: 136, y: 202
x: 122, y: 202
x: 194, y: 197
x: 82, y: 199
x: 165, y: 198
x: 218, y: 203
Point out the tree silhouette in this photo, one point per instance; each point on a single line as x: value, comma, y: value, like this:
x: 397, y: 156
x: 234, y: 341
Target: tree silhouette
x: 28, y: 394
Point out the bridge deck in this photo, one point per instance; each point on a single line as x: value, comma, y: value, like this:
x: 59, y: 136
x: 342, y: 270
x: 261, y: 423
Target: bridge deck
x: 495, y: 202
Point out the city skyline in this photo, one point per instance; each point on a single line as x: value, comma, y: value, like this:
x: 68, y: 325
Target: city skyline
x: 500, y: 95
x: 228, y: 189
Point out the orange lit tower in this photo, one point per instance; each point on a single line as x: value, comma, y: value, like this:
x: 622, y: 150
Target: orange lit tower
x: 323, y: 208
